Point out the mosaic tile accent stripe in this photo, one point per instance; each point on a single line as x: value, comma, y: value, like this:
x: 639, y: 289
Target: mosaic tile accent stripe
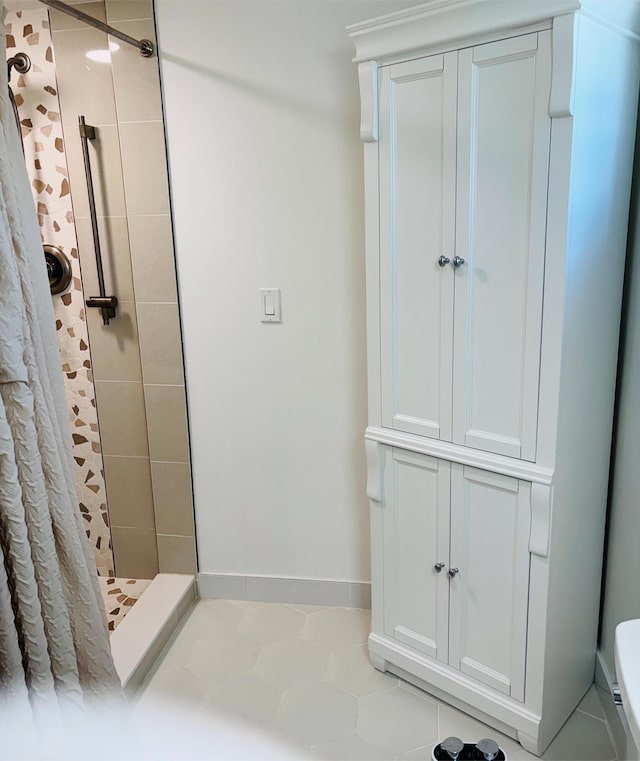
x: 120, y: 595
x: 39, y: 110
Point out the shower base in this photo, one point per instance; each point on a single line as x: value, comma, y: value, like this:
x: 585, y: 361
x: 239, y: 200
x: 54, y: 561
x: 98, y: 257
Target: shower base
x: 149, y: 623
x: 120, y: 595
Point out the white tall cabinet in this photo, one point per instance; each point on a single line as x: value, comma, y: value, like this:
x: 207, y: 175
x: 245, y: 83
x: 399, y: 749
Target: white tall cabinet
x: 499, y: 141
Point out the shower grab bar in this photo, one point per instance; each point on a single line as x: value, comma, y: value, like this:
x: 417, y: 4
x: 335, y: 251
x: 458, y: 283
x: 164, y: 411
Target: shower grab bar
x: 107, y: 304
x: 16, y: 116
x: 145, y: 47
x: 21, y: 63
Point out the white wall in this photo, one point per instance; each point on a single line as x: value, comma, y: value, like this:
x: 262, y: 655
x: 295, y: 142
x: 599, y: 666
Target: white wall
x: 622, y: 577
x: 265, y: 161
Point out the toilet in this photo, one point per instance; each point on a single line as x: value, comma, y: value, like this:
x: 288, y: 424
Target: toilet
x: 627, y: 655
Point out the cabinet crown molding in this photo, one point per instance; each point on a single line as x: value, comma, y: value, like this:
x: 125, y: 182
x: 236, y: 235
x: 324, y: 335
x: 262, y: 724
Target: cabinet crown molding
x: 443, y: 22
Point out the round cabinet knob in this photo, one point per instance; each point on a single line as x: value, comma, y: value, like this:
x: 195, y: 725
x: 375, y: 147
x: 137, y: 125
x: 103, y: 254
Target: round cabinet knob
x: 458, y: 261
x: 453, y: 746
x: 453, y: 572
x: 438, y: 567
x: 488, y: 748
x: 443, y: 261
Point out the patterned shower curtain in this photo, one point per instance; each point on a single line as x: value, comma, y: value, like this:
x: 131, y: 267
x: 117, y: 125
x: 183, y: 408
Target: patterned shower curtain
x: 54, y: 646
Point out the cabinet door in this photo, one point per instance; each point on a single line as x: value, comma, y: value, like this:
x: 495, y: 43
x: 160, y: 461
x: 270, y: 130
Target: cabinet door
x: 416, y: 537
x: 417, y: 221
x: 490, y: 525
x: 503, y: 157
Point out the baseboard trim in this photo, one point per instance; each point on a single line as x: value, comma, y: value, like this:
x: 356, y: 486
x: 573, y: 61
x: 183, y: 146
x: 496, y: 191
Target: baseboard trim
x: 349, y: 594
x: 603, y: 677
x: 615, y: 715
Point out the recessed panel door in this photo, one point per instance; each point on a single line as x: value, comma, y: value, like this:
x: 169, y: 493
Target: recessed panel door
x: 490, y: 526
x: 417, y: 230
x: 416, y: 550
x: 503, y: 159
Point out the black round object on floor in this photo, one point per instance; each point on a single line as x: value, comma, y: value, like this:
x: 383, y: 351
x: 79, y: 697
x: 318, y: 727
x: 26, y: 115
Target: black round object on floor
x: 469, y: 752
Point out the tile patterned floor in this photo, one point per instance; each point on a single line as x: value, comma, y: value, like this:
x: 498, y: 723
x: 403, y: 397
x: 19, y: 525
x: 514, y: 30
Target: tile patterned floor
x: 120, y: 595
x: 302, y: 672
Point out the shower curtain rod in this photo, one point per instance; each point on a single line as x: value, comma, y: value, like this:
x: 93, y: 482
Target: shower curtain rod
x: 145, y: 47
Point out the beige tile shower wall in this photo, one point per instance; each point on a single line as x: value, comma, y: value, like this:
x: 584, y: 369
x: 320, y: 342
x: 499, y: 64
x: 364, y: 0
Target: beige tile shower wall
x: 138, y: 357
x: 86, y: 87
x: 139, y: 114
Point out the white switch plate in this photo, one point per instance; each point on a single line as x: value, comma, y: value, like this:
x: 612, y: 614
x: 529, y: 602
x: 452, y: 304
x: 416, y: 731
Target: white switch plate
x: 270, y: 305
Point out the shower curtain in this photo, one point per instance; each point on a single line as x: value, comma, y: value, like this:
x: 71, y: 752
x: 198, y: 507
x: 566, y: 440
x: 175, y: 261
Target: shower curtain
x: 54, y: 647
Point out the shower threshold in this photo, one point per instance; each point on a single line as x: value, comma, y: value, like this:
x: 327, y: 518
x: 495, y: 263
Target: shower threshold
x: 139, y: 637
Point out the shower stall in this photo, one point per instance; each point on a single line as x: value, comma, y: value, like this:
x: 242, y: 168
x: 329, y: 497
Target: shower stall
x: 89, y: 109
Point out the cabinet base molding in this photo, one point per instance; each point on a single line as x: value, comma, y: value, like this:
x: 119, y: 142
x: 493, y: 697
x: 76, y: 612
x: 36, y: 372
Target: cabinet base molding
x: 453, y: 687
x: 378, y: 663
x: 530, y: 744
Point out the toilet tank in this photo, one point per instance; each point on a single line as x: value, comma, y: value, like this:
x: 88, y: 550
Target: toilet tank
x: 627, y: 654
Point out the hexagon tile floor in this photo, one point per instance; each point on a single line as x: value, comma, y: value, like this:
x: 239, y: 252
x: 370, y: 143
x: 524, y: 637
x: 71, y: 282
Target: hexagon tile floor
x: 301, y: 672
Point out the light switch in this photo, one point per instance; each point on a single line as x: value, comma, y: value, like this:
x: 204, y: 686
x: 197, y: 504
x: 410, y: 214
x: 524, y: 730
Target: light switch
x: 269, y: 308
x: 270, y: 305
